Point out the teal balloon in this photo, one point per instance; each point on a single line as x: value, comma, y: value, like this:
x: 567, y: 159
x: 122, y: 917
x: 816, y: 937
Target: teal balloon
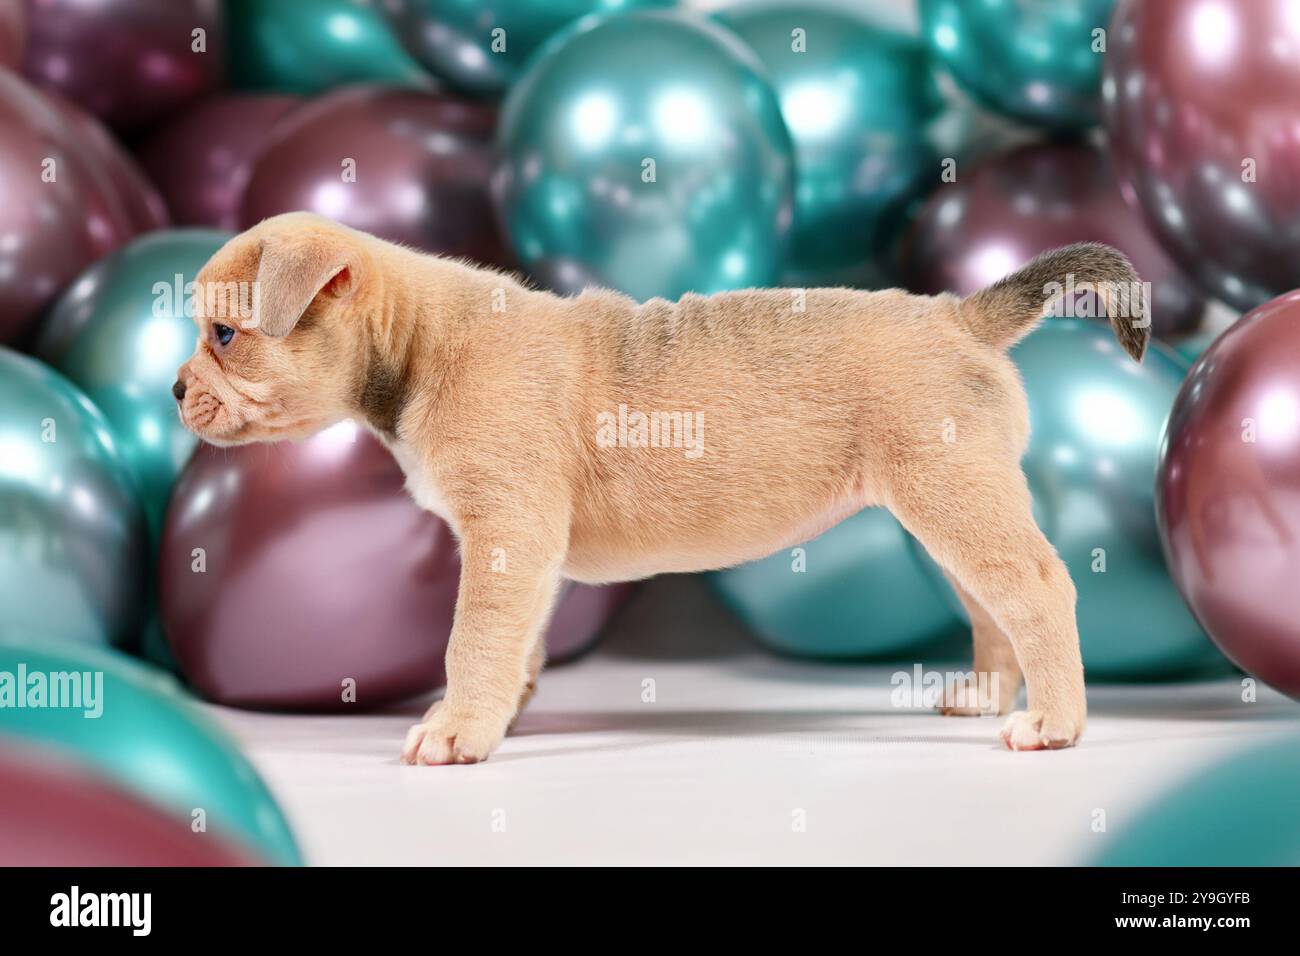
x: 1097, y: 419
x: 855, y: 591
x: 1238, y: 811
x: 74, y: 550
x: 148, y: 737
x: 646, y: 152
x: 858, y: 99
x: 1033, y: 60
x: 480, y: 46
x: 310, y: 46
x: 120, y: 332
x: 1191, y: 347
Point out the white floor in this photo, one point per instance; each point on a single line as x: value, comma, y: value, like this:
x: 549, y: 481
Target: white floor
x: 741, y: 758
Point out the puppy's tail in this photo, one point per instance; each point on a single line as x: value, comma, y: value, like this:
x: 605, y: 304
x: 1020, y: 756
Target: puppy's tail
x: 1011, y: 308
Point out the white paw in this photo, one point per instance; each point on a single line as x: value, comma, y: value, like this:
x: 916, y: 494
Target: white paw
x: 451, y: 736
x: 1033, y: 730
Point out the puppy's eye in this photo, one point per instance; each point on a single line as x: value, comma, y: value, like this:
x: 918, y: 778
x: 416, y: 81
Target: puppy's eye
x: 224, y: 333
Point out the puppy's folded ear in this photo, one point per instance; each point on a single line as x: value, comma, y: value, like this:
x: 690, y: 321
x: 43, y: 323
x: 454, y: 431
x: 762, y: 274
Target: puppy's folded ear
x: 292, y: 272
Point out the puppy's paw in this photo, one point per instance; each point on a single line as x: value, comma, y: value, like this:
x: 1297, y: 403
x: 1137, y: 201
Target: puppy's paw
x: 451, y: 736
x: 1034, y: 730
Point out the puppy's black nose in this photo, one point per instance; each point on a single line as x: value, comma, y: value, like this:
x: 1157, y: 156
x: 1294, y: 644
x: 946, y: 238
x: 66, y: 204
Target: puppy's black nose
x: 178, y: 389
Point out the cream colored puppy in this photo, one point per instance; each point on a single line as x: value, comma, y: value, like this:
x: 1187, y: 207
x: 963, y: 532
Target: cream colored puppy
x: 598, y: 439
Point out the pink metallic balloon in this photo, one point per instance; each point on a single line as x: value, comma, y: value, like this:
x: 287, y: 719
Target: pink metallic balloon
x: 130, y: 62
x: 1228, y: 492
x: 13, y: 33
x: 1010, y: 207
x: 202, y: 159
x: 1202, y: 102
x: 55, y: 813
x: 59, y: 211
x: 288, y: 569
x: 423, y: 163
x: 117, y: 173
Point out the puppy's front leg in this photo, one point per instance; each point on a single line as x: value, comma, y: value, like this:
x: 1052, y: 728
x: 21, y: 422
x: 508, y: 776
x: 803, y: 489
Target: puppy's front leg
x: 507, y: 585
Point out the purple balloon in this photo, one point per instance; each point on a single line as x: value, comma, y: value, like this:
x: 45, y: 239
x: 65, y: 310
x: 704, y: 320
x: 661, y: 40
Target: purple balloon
x: 1010, y: 207
x: 317, y: 568
x: 202, y: 159
x: 1228, y: 492
x: 1202, y: 103
x: 56, y: 813
x: 13, y: 33
x: 58, y: 209
x: 116, y: 172
x: 423, y: 165
x: 130, y: 62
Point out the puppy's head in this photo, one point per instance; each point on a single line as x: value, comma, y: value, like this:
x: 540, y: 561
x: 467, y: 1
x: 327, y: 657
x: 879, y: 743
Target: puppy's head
x: 280, y: 312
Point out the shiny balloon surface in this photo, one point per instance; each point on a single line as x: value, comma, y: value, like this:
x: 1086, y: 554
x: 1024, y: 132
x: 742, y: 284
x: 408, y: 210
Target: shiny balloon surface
x: 423, y: 165
x: 148, y: 737
x: 58, y: 211
x: 131, y: 62
x: 1239, y: 810
x: 1036, y: 60
x: 646, y: 152
x: 1229, y: 492
x: 13, y: 33
x: 1202, y: 104
x: 856, y: 591
x: 73, y: 545
x: 202, y: 159
x: 56, y: 813
x: 310, y: 48
x: 119, y: 332
x: 1009, y: 208
x: 857, y: 98
x: 481, y: 45
x: 116, y: 172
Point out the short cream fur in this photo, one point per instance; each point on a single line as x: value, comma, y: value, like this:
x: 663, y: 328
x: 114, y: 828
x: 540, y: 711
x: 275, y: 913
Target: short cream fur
x: 501, y: 403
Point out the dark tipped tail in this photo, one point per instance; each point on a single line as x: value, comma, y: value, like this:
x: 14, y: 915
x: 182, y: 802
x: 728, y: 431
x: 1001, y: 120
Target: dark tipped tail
x: 1008, y: 310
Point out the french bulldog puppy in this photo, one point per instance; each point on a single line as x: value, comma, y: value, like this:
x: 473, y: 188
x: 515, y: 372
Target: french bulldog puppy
x: 600, y: 439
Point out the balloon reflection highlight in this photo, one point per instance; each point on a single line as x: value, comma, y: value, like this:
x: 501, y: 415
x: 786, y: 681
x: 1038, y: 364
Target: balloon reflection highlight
x: 1229, y: 492
x: 1202, y: 104
x: 480, y: 46
x: 73, y: 546
x: 1015, y: 205
x: 857, y: 99
x: 1038, y: 61
x: 646, y: 153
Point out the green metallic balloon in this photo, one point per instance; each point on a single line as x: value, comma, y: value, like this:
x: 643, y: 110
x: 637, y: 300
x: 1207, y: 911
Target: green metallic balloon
x: 856, y: 591
x: 147, y: 736
x: 1191, y: 347
x: 73, y: 544
x: 857, y: 99
x: 646, y: 152
x: 1097, y: 418
x: 310, y: 46
x: 480, y: 45
x: 1238, y: 811
x: 1036, y: 60
x: 120, y: 332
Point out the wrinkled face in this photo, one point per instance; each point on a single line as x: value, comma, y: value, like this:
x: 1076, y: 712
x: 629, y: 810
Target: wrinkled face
x: 243, y: 384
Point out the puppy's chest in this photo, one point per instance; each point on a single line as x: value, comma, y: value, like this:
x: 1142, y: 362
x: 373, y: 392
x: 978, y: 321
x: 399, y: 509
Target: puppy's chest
x: 420, y: 483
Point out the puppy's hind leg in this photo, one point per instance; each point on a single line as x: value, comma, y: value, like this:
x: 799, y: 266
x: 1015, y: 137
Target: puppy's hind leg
x: 996, y: 666
x: 974, y: 516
